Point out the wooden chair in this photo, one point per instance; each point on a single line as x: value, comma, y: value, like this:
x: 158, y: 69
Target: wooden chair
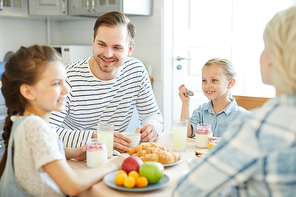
x: 249, y: 102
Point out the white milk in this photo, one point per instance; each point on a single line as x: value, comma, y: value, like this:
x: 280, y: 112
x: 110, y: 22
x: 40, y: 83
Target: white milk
x: 179, y: 138
x: 108, y: 137
x: 95, y: 158
x: 202, y: 140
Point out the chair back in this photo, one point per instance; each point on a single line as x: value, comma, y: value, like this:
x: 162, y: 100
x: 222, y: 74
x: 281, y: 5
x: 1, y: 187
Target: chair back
x: 250, y: 102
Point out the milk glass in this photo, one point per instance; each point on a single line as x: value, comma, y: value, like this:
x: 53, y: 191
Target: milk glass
x: 96, y: 154
x: 202, y: 134
x: 179, y: 134
x: 106, y: 132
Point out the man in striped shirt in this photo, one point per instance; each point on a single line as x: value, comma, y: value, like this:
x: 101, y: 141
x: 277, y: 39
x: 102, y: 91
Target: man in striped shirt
x: 106, y: 87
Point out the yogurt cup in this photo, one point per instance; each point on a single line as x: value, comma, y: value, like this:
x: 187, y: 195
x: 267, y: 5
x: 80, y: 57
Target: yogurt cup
x: 202, y: 134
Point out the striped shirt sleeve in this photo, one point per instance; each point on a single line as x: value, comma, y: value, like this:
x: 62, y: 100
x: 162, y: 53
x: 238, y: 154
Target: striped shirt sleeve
x: 71, y: 138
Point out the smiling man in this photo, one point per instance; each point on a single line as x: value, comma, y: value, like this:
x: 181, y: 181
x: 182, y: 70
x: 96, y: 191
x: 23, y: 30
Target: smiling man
x: 106, y: 87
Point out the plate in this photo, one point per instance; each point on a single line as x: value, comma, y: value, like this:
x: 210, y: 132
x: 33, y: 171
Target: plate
x: 109, y: 180
x: 171, y: 164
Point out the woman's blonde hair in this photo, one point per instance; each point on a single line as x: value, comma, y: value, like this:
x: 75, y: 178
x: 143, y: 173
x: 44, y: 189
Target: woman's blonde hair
x: 280, y: 40
x: 225, y: 64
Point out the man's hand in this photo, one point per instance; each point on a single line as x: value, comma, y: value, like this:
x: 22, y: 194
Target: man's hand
x: 121, y: 142
x: 148, y: 133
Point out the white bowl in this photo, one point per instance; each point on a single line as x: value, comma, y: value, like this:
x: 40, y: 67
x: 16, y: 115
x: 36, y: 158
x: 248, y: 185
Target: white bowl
x: 135, y: 137
x: 192, y: 161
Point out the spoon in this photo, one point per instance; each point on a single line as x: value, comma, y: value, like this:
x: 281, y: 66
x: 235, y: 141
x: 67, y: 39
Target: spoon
x: 190, y: 93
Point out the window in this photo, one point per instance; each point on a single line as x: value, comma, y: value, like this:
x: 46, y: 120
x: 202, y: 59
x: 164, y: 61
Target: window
x: 249, y: 20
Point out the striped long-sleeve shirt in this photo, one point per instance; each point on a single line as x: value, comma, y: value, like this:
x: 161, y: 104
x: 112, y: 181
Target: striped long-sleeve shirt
x: 256, y: 157
x: 91, y: 101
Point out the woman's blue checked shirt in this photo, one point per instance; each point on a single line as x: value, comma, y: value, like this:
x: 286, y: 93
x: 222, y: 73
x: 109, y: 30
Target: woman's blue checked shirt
x: 256, y: 157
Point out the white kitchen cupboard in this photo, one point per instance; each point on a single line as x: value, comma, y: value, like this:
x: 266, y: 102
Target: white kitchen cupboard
x: 13, y: 8
x: 48, y: 7
x: 99, y: 7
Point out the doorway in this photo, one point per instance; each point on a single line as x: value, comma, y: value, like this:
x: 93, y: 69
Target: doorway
x: 228, y: 29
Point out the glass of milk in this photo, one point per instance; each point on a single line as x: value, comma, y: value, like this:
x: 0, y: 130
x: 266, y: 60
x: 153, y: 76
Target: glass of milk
x: 202, y: 134
x: 96, y: 154
x: 179, y: 134
x: 106, y: 132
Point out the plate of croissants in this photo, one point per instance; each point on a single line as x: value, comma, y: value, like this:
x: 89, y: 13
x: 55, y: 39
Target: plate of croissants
x: 154, y: 152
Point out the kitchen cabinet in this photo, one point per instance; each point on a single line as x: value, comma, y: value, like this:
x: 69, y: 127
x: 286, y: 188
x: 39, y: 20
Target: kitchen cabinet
x: 48, y: 7
x: 13, y: 8
x: 100, y: 7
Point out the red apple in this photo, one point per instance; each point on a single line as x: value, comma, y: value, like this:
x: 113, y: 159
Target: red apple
x: 131, y: 163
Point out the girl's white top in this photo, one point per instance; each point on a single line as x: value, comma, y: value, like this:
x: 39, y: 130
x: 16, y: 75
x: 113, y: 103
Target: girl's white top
x: 36, y: 144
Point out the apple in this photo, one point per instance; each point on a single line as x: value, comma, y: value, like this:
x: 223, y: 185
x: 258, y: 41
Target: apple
x: 131, y: 163
x: 152, y: 170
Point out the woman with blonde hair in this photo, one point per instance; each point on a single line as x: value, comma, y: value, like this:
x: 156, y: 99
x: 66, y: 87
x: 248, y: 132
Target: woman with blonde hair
x: 257, y: 155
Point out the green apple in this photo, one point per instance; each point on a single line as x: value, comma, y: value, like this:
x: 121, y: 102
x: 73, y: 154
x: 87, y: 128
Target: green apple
x: 152, y: 170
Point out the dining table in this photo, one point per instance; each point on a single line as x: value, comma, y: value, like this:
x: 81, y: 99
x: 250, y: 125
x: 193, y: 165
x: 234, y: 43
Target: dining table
x: 174, y: 172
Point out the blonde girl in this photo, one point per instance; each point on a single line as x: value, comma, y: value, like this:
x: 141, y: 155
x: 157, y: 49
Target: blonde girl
x: 217, y: 80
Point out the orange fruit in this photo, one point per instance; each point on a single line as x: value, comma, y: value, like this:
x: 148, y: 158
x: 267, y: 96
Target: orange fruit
x: 134, y: 174
x: 119, y: 179
x: 211, y: 145
x: 120, y: 172
x: 129, y: 182
x: 141, y: 181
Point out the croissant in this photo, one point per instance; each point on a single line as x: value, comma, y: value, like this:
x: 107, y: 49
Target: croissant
x: 153, y: 152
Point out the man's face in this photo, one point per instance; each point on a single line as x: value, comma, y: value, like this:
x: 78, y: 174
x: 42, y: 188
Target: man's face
x: 111, y: 48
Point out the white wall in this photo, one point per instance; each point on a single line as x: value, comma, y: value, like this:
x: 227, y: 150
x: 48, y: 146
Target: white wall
x: 16, y: 32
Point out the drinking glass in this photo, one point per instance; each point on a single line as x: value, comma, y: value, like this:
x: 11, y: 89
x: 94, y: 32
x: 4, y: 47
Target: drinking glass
x: 106, y: 132
x: 179, y: 134
x: 96, y: 154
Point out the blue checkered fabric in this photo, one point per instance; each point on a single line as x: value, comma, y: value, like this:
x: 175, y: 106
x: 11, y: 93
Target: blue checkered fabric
x: 256, y: 157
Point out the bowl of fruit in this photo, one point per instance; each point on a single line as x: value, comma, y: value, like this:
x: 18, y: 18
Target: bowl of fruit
x: 136, y: 176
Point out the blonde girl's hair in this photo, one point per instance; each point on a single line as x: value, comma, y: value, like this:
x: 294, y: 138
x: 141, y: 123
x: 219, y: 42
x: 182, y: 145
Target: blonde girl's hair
x: 23, y: 67
x: 225, y: 64
x: 280, y: 40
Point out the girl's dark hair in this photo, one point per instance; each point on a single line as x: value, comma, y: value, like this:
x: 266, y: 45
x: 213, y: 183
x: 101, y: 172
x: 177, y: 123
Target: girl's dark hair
x: 24, y: 67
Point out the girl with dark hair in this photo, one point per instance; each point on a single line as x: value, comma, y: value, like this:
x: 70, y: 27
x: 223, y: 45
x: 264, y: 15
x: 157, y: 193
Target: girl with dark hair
x: 33, y: 85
